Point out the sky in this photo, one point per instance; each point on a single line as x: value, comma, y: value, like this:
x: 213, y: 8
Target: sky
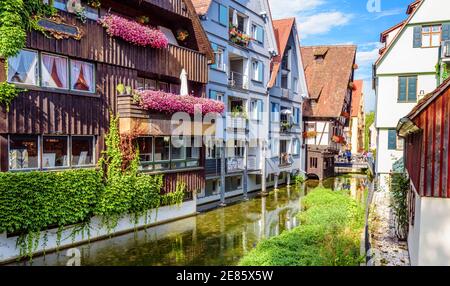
x: 357, y: 22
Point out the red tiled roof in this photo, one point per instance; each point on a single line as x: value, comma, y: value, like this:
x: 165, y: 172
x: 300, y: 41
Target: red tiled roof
x: 327, y: 79
x: 384, y: 33
x: 201, y: 6
x: 282, y: 29
x: 412, y: 7
x: 357, y: 97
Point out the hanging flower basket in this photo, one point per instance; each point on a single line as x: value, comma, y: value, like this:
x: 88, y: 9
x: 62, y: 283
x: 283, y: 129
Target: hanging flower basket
x: 171, y: 103
x: 133, y: 32
x: 182, y: 35
x: 309, y: 134
x: 338, y: 139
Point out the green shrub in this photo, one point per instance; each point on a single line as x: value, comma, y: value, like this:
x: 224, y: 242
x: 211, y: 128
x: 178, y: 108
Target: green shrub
x: 329, y: 234
x: 34, y: 201
x: 399, y: 186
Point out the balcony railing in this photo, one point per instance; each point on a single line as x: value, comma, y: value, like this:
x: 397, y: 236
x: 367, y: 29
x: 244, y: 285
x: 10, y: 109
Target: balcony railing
x: 235, y: 165
x: 285, y: 126
x: 253, y: 163
x: 238, y: 80
x: 238, y: 122
x: 212, y: 167
x: 445, y: 48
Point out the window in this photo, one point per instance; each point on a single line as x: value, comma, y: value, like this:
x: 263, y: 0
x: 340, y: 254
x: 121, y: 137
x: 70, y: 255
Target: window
x: 216, y: 95
x: 275, y: 147
x: 23, y: 68
x: 258, y: 71
x: 163, y: 86
x: 57, y: 152
x: 91, y: 13
x: 82, y: 76
x: 219, y: 53
x: 23, y: 152
x: 296, y: 147
x: 162, y: 148
x: 178, y: 149
x: 407, y: 89
x: 284, y: 81
x: 147, y: 84
x: 258, y: 33
x: 392, y: 139
x: 256, y: 109
x: 313, y: 162
x: 275, y: 112
x: 145, y: 145
x: 233, y: 183
x: 223, y: 15
x: 54, y: 153
x: 82, y: 151
x: 239, y: 148
x: 54, y: 71
x: 295, y: 85
x: 431, y: 36
x: 296, y: 115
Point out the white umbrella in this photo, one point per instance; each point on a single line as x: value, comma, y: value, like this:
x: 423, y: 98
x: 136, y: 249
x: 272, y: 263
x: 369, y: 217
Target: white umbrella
x: 184, y: 83
x: 235, y: 19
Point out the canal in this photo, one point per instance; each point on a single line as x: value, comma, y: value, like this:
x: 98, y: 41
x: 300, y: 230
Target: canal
x: 219, y: 236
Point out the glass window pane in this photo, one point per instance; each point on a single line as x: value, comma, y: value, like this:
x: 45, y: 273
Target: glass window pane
x: 23, y: 68
x: 162, y: 148
x: 54, y: 152
x: 426, y: 29
x: 23, y: 152
x: 54, y: 71
x: 426, y: 40
x: 178, y: 149
x: 145, y: 145
x: 82, y: 76
x: 436, y: 40
x: 436, y: 28
x: 82, y: 150
x: 163, y: 86
x: 193, y: 151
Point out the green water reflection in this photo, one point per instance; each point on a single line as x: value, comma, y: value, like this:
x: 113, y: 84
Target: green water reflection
x: 217, y: 237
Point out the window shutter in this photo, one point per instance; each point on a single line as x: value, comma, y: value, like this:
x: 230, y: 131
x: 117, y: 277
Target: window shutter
x: 446, y: 32
x: 260, y: 71
x: 417, y: 37
x: 212, y: 94
x: 412, y: 89
x: 392, y: 139
x: 214, y: 47
x: 402, y: 89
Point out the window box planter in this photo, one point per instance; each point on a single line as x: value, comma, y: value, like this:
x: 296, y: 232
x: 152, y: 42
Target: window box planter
x: 239, y: 38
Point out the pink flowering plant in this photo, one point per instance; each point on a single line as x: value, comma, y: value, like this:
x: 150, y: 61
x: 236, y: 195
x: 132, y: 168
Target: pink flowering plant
x: 171, y: 103
x: 133, y: 32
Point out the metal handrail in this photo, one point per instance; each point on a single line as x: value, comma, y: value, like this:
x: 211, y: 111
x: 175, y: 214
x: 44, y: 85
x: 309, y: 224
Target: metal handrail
x: 238, y: 80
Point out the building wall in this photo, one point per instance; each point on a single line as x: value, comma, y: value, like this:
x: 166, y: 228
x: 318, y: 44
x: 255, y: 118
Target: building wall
x: 385, y: 157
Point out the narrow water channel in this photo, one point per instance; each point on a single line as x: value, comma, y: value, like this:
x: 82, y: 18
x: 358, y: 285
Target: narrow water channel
x: 217, y: 237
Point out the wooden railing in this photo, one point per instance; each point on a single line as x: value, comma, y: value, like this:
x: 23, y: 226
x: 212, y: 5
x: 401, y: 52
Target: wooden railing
x: 175, y: 6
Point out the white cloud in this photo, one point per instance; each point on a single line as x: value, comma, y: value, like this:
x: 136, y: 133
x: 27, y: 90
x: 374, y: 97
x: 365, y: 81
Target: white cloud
x: 288, y: 8
x: 322, y: 23
x: 367, y: 57
x: 391, y: 12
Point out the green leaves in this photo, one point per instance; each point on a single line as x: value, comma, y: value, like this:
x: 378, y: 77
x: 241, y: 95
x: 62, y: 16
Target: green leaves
x: 399, y: 203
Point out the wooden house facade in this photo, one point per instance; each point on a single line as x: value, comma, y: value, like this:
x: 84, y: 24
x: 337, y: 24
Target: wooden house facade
x: 71, y: 77
x: 426, y: 131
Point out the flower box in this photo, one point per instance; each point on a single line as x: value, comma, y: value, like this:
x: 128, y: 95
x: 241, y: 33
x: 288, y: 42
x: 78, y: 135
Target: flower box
x: 171, y: 103
x: 239, y: 38
x: 133, y: 32
x: 309, y: 134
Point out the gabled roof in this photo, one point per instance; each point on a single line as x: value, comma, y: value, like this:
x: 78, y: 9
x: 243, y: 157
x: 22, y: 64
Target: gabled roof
x: 201, y: 6
x: 385, y: 33
x: 357, y: 96
x: 412, y: 7
x: 428, y: 99
x: 328, y: 78
x: 416, y: 5
x: 203, y: 41
x: 282, y: 29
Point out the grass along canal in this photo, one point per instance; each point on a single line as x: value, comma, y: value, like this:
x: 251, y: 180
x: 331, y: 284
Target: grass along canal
x: 223, y: 236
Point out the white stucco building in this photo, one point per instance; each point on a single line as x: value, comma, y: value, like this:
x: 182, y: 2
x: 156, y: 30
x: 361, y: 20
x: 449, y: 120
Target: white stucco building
x: 405, y: 72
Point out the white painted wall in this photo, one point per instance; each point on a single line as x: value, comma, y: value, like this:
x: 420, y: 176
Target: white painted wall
x: 438, y: 10
x: 385, y: 157
x: 429, y: 239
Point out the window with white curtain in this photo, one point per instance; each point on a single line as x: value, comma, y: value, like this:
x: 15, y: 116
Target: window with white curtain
x: 54, y: 71
x: 82, y: 76
x: 23, y: 68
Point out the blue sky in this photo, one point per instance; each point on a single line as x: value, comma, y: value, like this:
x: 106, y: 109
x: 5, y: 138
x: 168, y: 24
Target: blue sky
x: 345, y: 22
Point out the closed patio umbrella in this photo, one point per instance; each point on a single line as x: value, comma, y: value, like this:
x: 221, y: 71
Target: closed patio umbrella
x: 184, y: 83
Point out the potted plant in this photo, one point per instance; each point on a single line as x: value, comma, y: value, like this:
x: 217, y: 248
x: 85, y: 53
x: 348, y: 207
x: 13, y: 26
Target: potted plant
x: 143, y: 20
x: 120, y: 88
x: 96, y: 4
x: 182, y: 35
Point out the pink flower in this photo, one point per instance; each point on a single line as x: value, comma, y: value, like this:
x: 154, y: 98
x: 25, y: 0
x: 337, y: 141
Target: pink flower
x: 172, y: 103
x: 133, y: 32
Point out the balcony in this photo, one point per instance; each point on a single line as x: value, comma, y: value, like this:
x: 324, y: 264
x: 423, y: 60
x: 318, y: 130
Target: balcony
x: 285, y: 126
x: 286, y: 160
x: 238, y: 80
x: 253, y: 163
x: 235, y: 165
x: 212, y: 167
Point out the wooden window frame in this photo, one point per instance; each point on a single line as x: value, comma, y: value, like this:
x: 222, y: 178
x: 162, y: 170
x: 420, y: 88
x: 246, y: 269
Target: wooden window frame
x: 431, y: 33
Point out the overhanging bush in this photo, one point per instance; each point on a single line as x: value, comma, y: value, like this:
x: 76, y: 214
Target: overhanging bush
x: 34, y: 201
